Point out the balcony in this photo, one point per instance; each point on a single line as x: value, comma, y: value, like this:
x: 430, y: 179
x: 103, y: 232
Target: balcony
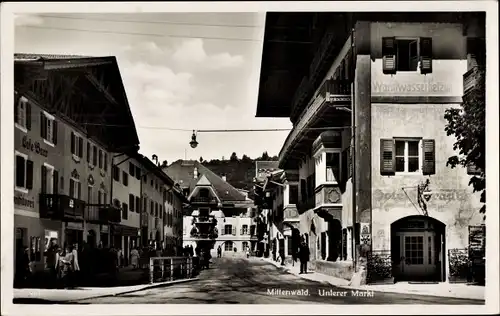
x: 323, y: 55
x: 301, y: 96
x: 102, y: 214
x: 328, y: 194
x: 203, y: 200
x: 472, y: 78
x: 204, y: 220
x: 61, y: 207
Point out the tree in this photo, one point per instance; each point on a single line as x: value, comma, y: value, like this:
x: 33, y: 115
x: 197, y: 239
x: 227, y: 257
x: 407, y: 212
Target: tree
x: 233, y: 157
x: 201, y: 159
x: 265, y: 156
x: 245, y: 158
x: 467, y: 124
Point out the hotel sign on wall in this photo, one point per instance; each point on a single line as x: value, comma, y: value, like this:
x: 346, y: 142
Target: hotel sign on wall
x: 24, y: 201
x: 34, y: 146
x: 446, y: 79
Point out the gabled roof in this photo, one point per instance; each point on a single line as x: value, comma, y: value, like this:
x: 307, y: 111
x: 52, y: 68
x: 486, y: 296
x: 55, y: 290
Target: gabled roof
x: 182, y: 172
x: 203, y: 181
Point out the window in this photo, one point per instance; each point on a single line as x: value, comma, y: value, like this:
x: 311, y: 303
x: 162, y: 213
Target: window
x: 137, y: 204
x: 204, y: 193
x: 35, y: 249
x: 138, y: 173
x: 90, y: 195
x: 24, y: 172
x: 228, y: 229
x: 244, y: 230
x: 100, y: 159
x: 100, y: 198
x: 105, y: 162
x: 125, y: 178
x: 152, y: 210
x: 145, y: 178
x: 156, y: 209
x: 131, y: 202
x: 228, y: 246
x: 76, y: 145
x: 152, y: 184
x: 414, y: 249
x: 406, y: 54
x: 333, y: 167
x: 89, y: 151
x: 244, y: 246
x: 48, y: 179
x: 124, y: 211
x: 116, y: 173
x: 293, y: 194
x: 131, y: 169
x: 22, y: 116
x: 75, y: 188
x: 303, y: 190
x: 48, y: 128
x: 407, y: 156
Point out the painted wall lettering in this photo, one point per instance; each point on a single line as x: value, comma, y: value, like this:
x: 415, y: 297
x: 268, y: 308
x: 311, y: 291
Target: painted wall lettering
x: 34, y: 146
x: 22, y: 201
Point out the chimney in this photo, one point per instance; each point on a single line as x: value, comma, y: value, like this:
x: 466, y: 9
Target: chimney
x: 195, y: 173
x: 223, y: 177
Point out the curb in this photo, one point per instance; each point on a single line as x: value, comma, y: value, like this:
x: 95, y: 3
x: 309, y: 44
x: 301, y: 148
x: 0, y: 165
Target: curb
x: 288, y: 270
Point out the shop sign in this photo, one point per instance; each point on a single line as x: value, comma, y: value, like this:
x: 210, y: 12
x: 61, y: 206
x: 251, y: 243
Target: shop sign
x: 34, y: 146
x: 21, y: 200
x: 74, y: 225
x: 104, y: 229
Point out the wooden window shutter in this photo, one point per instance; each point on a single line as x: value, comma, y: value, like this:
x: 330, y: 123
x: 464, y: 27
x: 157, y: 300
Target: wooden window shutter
x: 94, y: 156
x: 131, y: 202
x: 425, y: 55
x: 387, y: 157
x: 54, y: 132
x: 44, y: 179
x: 105, y: 162
x: 80, y: 145
x: 73, y: 143
x: 28, y: 115
x: 241, y: 231
x: 389, y: 55
x: 29, y: 174
x: 55, y: 182
x: 88, y: 152
x: 429, y: 161
x: 43, y: 125
x: 234, y: 231
x: 473, y: 170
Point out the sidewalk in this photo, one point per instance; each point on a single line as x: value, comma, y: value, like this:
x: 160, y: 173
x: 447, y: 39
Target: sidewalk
x: 63, y: 295
x: 441, y: 289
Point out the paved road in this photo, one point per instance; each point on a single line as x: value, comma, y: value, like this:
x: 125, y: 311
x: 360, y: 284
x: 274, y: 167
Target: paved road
x: 239, y: 280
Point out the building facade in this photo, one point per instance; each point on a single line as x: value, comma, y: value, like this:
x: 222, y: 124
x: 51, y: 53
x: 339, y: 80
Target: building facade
x: 207, y: 191
x: 369, y: 135
x: 63, y: 167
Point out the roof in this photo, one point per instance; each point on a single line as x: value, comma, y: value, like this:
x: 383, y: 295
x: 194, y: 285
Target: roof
x: 292, y: 39
x: 182, y: 172
x: 101, y: 91
x: 263, y: 168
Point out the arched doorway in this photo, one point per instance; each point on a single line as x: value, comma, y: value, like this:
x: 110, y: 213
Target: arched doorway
x: 417, y: 249
x: 334, y: 240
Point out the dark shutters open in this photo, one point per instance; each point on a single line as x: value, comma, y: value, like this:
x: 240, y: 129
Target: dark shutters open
x: 73, y: 143
x: 389, y: 55
x: 28, y: 115
x: 425, y: 55
x: 29, y: 174
x: 94, y: 156
x: 79, y: 196
x: 131, y: 202
x: 44, y: 179
x: 20, y: 171
x: 54, y: 132
x: 429, y: 161
x: 88, y: 152
x: 105, y: 162
x: 55, y: 182
x: 80, y: 147
x: 43, y: 126
x: 387, y: 158
x: 137, y: 204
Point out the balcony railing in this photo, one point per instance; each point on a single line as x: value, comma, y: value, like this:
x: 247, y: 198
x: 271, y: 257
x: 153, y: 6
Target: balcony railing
x: 110, y: 214
x: 324, y: 51
x: 329, y: 194
x: 61, y: 207
x: 301, y: 96
x: 472, y: 78
x: 200, y: 199
x: 336, y: 90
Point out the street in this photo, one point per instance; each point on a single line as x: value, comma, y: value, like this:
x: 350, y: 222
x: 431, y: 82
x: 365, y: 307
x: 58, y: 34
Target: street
x: 247, y: 281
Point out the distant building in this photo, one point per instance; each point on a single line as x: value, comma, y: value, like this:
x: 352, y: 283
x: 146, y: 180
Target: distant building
x: 207, y: 191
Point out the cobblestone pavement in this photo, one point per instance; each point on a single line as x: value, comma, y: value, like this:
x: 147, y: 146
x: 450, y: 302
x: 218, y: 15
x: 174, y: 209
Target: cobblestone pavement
x: 251, y: 281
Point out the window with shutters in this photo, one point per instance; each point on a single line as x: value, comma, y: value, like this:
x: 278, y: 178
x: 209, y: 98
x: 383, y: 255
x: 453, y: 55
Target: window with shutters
x: 131, y: 169
x: 101, y: 159
x: 138, y: 173
x: 228, y: 246
x: 293, y: 194
x: 125, y: 178
x: 138, y: 204
x: 105, y: 167
x: 406, y: 54
x: 116, y: 173
x: 90, y: 194
x: 48, y: 128
x: 75, y: 188
x: 94, y: 155
x: 131, y: 202
x: 22, y: 117
x: 47, y: 179
x: 244, y: 246
x: 244, y: 230
x: 407, y: 155
x: 152, y: 209
x: 76, y: 146
x: 24, y: 173
x: 303, y: 190
x: 157, y: 207
x: 228, y: 229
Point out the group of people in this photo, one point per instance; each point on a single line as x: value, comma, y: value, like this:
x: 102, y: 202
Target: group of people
x: 302, y: 255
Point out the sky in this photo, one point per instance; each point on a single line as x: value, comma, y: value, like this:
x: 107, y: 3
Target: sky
x: 190, y: 71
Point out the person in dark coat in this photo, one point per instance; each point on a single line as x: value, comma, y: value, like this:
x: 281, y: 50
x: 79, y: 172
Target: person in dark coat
x: 303, y: 257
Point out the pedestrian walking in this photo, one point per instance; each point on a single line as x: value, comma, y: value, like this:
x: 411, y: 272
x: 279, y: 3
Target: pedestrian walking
x: 282, y: 256
x: 119, y: 257
x: 219, y: 252
x: 303, y: 257
x: 134, y: 256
